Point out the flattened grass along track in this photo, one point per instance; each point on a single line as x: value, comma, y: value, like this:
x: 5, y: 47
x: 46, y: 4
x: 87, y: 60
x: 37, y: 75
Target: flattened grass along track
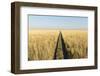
x: 60, y: 51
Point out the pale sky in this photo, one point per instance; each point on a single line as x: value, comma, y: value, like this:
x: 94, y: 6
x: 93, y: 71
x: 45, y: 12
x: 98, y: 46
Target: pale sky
x: 57, y: 22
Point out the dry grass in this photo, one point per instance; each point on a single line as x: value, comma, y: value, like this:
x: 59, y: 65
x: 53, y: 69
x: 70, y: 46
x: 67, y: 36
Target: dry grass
x: 42, y: 43
x: 76, y: 43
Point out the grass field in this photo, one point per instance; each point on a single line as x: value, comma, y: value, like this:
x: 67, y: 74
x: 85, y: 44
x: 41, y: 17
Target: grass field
x: 42, y: 43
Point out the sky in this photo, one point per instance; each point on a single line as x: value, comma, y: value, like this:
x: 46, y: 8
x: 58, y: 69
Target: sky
x: 57, y: 22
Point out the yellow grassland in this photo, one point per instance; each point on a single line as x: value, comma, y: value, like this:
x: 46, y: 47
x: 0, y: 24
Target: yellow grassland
x: 42, y: 43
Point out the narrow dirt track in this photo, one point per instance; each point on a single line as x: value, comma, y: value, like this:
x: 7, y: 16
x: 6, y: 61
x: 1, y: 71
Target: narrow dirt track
x: 60, y: 51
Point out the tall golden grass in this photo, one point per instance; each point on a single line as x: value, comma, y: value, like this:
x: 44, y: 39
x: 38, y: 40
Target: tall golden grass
x: 42, y: 43
x: 76, y: 42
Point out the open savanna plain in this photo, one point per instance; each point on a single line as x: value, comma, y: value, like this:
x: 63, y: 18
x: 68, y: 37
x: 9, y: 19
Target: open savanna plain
x: 42, y: 43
